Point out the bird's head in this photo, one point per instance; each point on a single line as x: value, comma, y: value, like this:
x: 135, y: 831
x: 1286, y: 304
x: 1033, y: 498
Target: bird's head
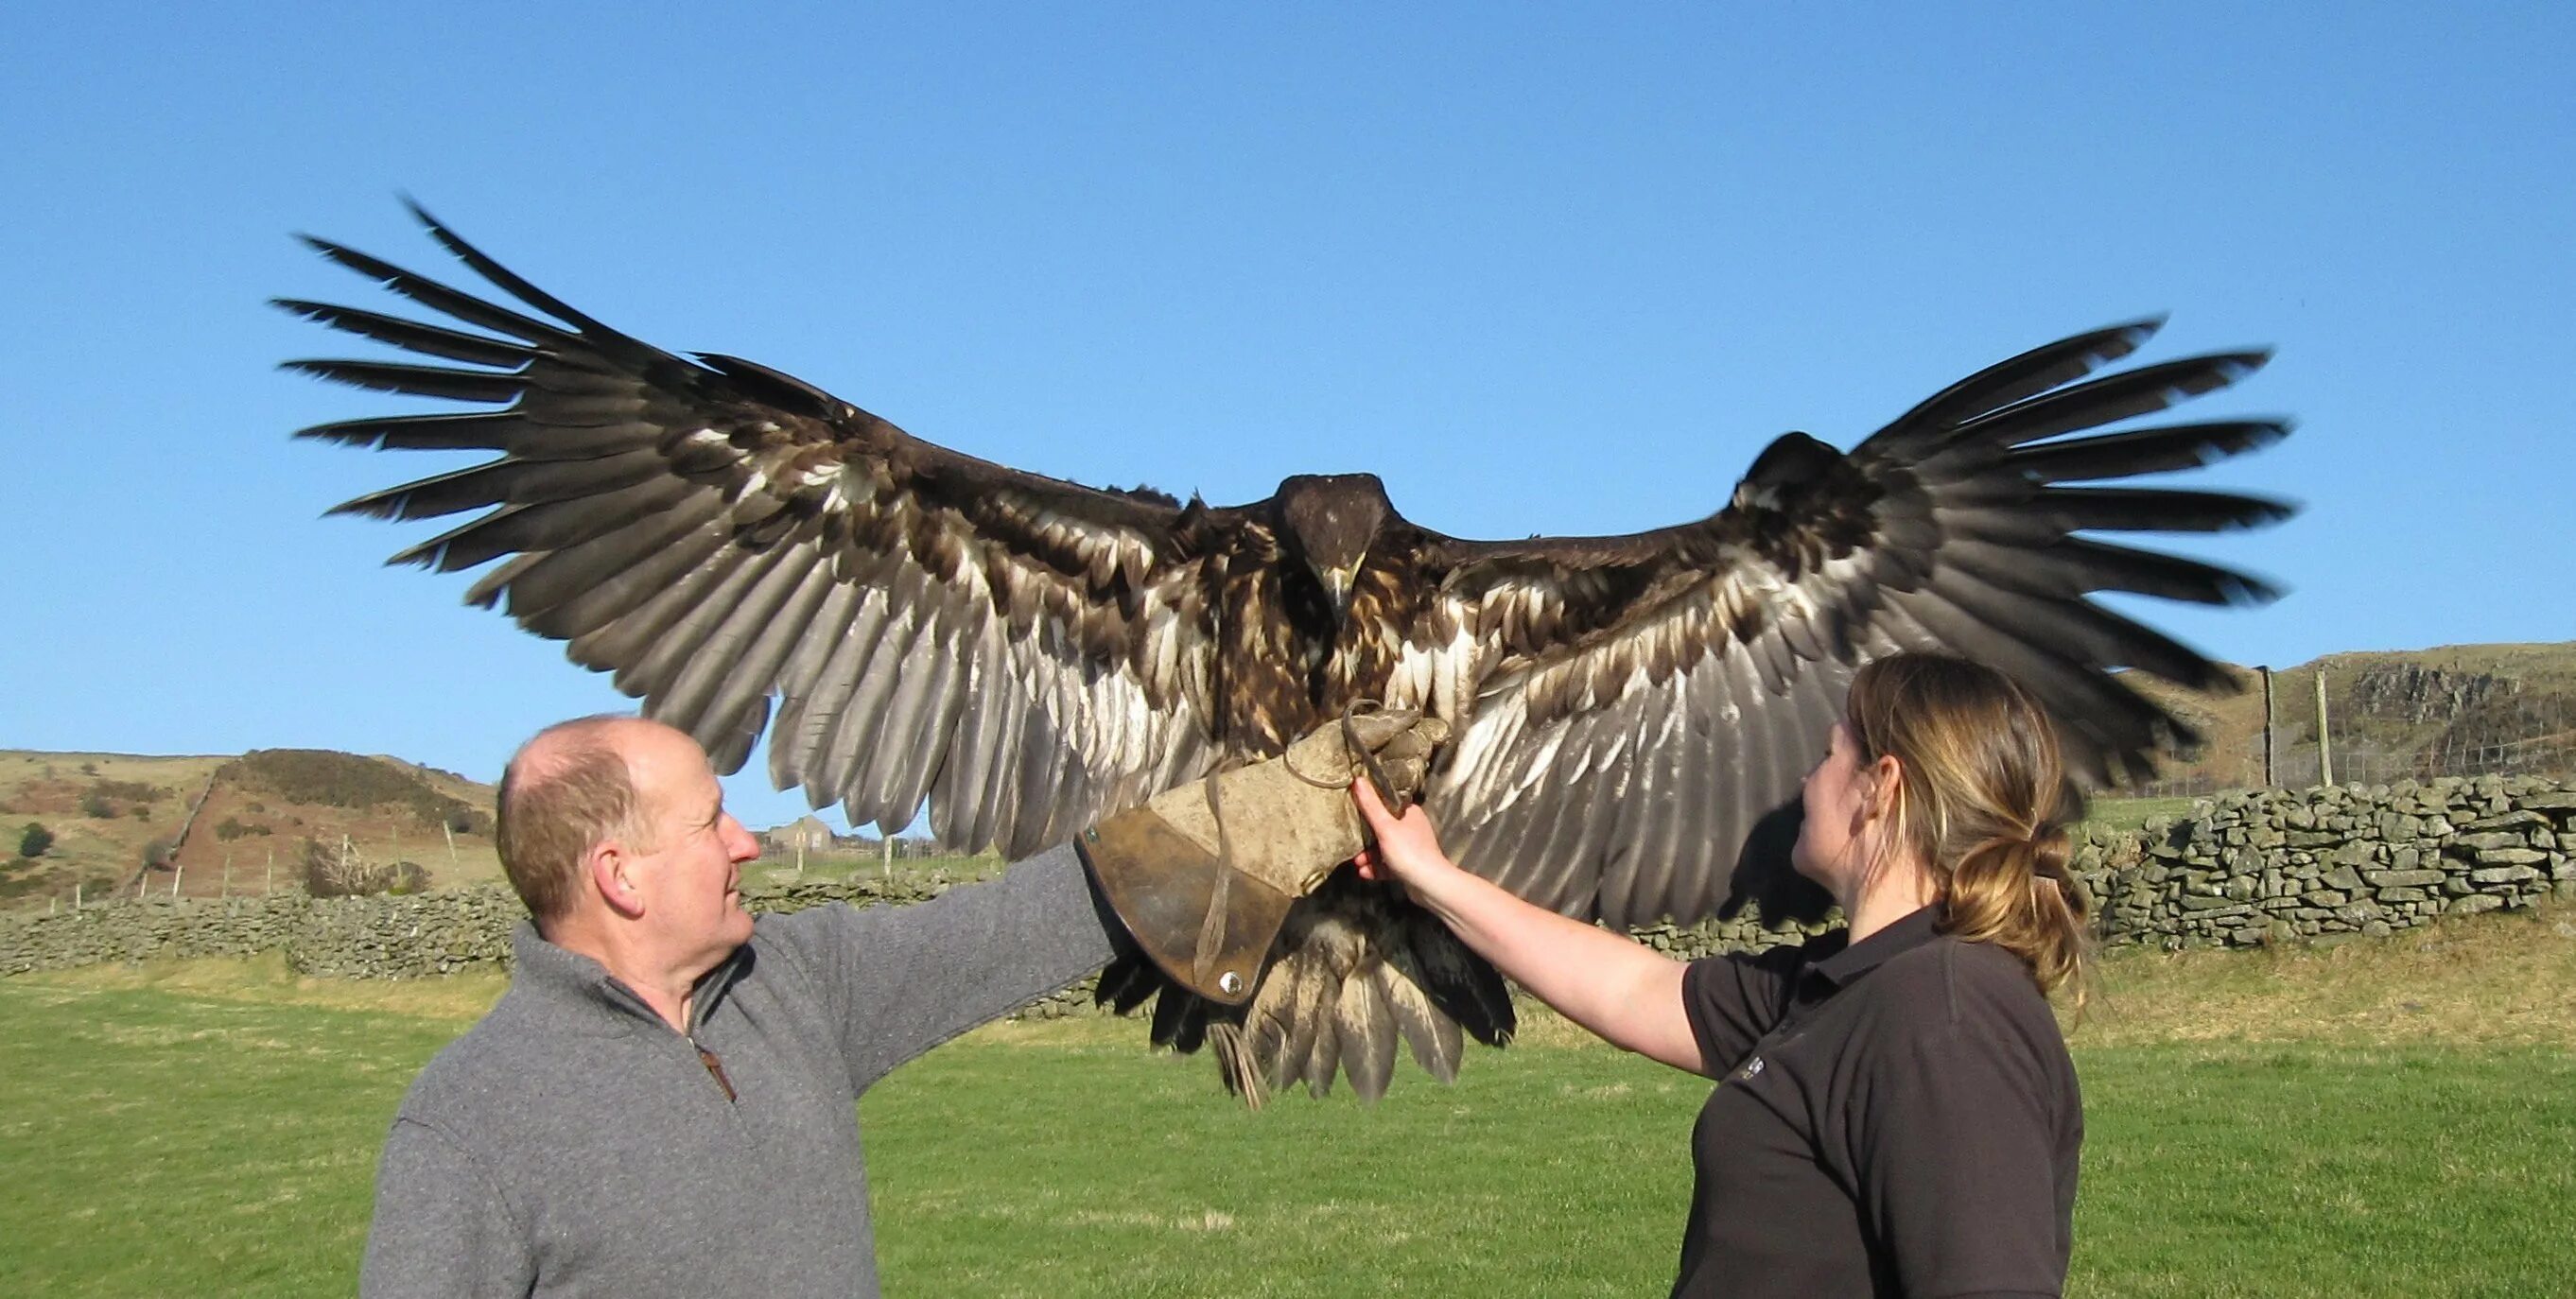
x: 1330, y: 521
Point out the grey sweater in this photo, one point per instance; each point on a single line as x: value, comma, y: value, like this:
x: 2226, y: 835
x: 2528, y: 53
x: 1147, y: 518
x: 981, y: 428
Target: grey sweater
x: 573, y: 1144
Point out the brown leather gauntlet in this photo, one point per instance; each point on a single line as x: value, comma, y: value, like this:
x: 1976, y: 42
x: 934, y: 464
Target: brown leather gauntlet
x: 1204, y: 875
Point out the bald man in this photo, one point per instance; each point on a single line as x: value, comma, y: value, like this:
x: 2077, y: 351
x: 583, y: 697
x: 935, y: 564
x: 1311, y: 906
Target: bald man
x: 664, y: 1103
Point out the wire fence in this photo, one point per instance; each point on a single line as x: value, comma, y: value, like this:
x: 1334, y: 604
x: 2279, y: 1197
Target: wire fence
x: 2511, y: 737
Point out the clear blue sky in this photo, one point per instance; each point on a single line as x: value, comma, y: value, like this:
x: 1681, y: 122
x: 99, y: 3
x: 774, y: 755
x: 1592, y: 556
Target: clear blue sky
x: 1543, y: 268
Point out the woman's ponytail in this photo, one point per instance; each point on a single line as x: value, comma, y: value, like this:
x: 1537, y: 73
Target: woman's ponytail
x: 1985, y: 799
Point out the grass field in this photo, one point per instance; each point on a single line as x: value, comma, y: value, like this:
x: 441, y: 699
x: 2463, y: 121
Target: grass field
x: 2389, y: 1118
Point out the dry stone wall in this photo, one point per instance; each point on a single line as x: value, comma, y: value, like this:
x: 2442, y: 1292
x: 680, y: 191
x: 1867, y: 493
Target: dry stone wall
x: 2282, y: 865
x: 2243, y: 869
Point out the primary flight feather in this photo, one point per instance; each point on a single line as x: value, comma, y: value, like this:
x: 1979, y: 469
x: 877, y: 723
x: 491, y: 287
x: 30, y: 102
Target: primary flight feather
x: 749, y: 554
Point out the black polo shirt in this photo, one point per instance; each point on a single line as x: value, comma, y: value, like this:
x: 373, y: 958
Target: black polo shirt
x: 1897, y: 1117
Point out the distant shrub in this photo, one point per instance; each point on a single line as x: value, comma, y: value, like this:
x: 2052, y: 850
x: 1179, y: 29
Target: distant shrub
x: 89, y: 768
x: 331, y: 873
x: 340, y: 780
x: 157, y: 854
x: 35, y: 840
x: 231, y: 829
x: 140, y: 811
x: 96, y: 808
x: 128, y: 791
x: 466, y: 820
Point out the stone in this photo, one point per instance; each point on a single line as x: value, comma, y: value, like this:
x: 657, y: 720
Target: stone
x: 2510, y: 857
x: 2502, y: 874
x: 2403, y: 879
x: 2473, y: 904
x: 2483, y: 842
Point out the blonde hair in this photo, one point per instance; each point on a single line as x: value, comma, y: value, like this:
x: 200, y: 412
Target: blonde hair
x: 1984, y: 802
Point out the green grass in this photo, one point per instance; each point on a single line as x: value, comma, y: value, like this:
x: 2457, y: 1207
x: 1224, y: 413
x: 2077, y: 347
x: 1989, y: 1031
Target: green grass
x: 212, y: 1129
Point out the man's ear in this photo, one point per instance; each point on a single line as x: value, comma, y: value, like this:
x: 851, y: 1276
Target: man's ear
x: 612, y: 876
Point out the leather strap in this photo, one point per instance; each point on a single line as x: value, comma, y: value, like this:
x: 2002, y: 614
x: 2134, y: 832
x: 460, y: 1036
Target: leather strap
x: 1208, y: 926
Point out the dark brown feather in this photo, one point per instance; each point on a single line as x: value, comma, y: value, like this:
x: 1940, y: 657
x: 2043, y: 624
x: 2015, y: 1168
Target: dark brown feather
x: 1025, y: 654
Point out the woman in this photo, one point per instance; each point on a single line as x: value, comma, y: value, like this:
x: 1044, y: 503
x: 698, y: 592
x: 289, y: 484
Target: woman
x: 1896, y: 1113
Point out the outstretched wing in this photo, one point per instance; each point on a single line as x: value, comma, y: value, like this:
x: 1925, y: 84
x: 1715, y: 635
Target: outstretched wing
x: 1024, y: 652
x: 1643, y: 703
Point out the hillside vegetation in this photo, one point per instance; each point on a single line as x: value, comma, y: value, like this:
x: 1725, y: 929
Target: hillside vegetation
x: 242, y: 823
x: 2452, y: 710
x: 245, y: 824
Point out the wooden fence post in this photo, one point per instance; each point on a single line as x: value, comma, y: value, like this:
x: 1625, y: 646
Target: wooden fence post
x: 2325, y: 746
x: 2271, y: 778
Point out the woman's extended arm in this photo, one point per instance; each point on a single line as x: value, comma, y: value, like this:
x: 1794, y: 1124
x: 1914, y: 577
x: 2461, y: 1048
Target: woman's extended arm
x: 1624, y: 992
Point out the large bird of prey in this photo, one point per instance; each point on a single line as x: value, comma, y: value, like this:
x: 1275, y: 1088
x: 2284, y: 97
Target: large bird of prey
x: 907, y: 623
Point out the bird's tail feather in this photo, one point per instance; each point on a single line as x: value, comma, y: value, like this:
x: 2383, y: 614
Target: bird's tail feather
x: 1357, y: 971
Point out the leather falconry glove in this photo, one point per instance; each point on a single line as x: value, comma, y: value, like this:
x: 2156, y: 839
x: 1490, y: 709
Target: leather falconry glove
x: 1203, y: 875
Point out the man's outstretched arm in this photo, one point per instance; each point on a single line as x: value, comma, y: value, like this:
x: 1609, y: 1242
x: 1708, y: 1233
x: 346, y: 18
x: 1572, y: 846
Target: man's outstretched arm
x: 911, y: 977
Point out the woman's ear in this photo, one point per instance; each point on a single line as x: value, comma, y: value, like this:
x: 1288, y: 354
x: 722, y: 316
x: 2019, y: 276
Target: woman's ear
x: 1886, y: 779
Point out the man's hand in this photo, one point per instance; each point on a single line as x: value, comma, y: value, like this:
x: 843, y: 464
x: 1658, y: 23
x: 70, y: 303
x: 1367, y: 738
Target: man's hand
x: 1203, y: 875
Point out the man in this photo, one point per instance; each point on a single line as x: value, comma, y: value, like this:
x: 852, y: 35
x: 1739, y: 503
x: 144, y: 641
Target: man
x: 664, y: 1102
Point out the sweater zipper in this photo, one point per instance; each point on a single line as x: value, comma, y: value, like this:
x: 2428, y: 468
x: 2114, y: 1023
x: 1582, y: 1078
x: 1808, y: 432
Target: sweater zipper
x: 715, y: 1066
x: 715, y: 1070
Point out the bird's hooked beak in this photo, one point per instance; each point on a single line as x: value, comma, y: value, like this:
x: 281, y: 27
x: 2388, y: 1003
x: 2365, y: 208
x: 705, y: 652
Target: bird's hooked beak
x: 1337, y: 589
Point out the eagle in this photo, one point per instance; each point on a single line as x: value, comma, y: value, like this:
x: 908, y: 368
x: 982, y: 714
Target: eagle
x: 1630, y: 716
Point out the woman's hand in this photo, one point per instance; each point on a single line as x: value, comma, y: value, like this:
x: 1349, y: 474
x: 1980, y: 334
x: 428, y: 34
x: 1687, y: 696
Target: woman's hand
x: 1406, y: 847
x: 1628, y: 993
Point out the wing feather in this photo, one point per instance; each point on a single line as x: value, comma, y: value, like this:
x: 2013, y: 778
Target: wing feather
x: 1697, y: 669
x: 733, y: 543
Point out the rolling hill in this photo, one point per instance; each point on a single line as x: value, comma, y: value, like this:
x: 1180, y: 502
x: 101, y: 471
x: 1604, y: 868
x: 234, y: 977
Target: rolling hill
x: 242, y: 823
